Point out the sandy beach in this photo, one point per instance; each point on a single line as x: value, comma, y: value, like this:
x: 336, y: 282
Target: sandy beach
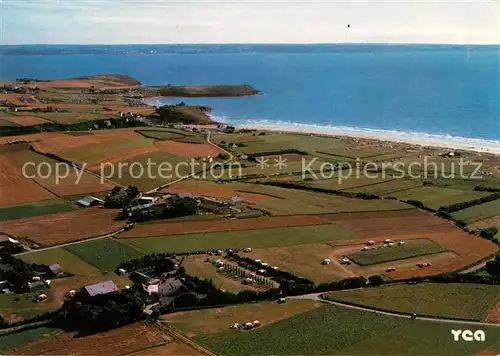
x: 424, y: 140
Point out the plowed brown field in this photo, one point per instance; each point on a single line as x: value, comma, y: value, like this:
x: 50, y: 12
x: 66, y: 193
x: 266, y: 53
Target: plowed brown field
x: 192, y: 227
x: 494, y: 314
x: 17, y: 189
x: 192, y: 150
x: 64, y: 227
x: 125, y: 340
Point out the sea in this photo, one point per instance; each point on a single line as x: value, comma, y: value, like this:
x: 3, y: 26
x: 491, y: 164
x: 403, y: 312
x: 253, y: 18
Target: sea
x: 448, y: 93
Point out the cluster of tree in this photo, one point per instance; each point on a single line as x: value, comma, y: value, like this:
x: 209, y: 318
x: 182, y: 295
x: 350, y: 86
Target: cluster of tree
x: 276, y: 275
x: 17, y: 272
x: 223, y: 156
x: 467, y: 204
x: 175, y: 207
x: 255, y: 156
x: 481, y: 188
x: 78, y: 126
x: 177, y: 114
x: 159, y: 263
x: 454, y: 277
x: 118, y: 198
x: 9, y: 248
x: 493, y: 267
x: 98, y: 313
x: 489, y: 233
x: 365, y: 196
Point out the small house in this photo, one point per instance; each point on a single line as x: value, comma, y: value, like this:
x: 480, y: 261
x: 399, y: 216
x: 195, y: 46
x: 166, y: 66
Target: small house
x: 326, y: 261
x: 282, y: 301
x: 186, y: 195
x: 262, y: 271
x: 370, y: 243
x: 41, y: 297
x: 235, y: 200
x: 247, y: 249
x: 89, y: 201
x: 55, y: 269
x: 37, y: 285
x: 401, y: 243
x: 101, y: 288
x: 121, y: 271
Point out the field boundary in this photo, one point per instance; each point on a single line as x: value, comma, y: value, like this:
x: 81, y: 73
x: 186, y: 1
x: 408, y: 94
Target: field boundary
x: 404, y: 314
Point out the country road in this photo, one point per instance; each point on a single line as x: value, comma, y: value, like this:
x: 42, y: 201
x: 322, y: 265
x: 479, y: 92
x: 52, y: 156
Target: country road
x: 317, y: 297
x: 111, y: 234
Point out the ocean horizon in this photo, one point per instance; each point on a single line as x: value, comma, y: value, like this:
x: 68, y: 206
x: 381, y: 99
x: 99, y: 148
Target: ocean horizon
x: 448, y: 93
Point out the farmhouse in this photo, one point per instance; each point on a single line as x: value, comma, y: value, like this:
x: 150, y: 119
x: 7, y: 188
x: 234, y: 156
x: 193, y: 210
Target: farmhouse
x: 55, y: 269
x: 101, y: 288
x: 212, y: 206
x: 37, y: 285
x: 186, y: 195
x: 4, y: 287
x: 89, y: 201
x: 166, y: 288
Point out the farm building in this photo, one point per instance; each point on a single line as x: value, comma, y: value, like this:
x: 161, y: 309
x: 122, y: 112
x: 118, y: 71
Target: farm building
x: 152, y: 289
x: 101, y: 288
x: 166, y: 288
x: 186, y: 195
x: 141, y: 207
x: 4, y: 287
x: 326, y: 261
x: 212, y: 206
x: 89, y: 201
x: 55, y: 269
x: 37, y: 285
x: 235, y: 200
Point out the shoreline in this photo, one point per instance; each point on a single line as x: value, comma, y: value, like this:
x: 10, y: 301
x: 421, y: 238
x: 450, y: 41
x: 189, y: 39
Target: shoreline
x: 419, y: 139
x: 383, y: 137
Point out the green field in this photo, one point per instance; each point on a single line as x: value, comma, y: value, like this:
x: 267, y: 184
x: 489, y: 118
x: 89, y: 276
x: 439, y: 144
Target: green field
x: 68, y: 261
x: 451, y: 300
x: 287, y: 236
x: 335, y: 330
x: 412, y: 248
x: 25, y: 307
x: 104, y: 254
x: 10, y: 341
x: 436, y: 197
x: 28, y: 210
x: 478, y: 212
x: 274, y: 142
x: 5, y: 123
x: 295, y: 201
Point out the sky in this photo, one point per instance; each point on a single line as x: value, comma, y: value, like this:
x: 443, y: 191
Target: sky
x: 164, y: 21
